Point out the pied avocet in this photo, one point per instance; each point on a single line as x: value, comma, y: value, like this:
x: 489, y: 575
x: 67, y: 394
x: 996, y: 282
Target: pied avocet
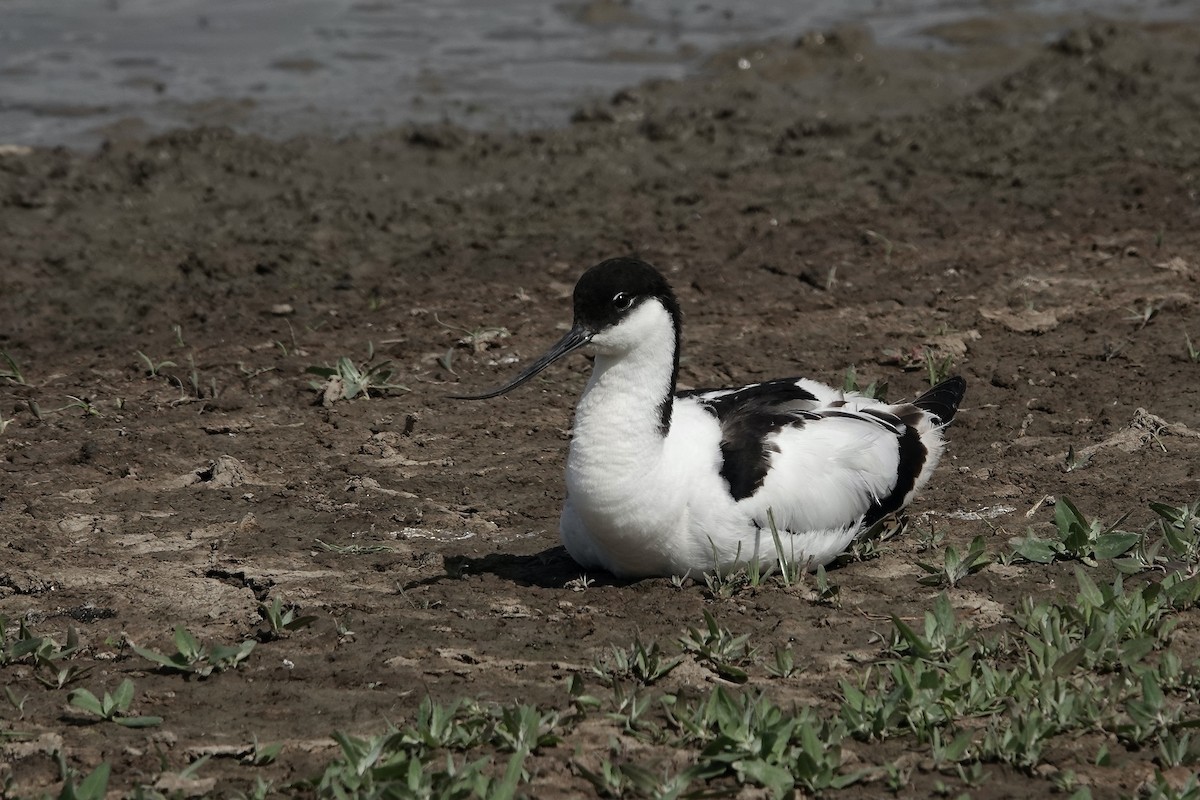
x: 666, y: 482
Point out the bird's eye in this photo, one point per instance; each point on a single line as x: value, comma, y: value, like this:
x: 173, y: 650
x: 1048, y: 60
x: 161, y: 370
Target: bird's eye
x: 622, y: 301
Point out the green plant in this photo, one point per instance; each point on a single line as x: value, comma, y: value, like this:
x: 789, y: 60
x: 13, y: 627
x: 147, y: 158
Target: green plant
x: 955, y: 567
x: 43, y: 652
x: 112, y: 707
x: 475, y: 339
x: 826, y: 591
x: 15, y: 702
x: 783, y: 665
x: 153, y: 368
x: 1142, y: 316
x: 1018, y: 739
x: 759, y: 743
x: 874, y: 389
x: 938, y: 369
x: 941, y: 638
x: 724, y: 652
x: 407, y: 763
x: 1078, y: 538
x: 282, y: 620
x: 192, y: 658
x: 93, y: 787
x: 1162, y: 788
x: 646, y: 665
x: 525, y: 728
x: 13, y: 373
x: 1074, y: 461
x: 1180, y: 526
x: 262, y: 754
x: 348, y: 380
x: 81, y: 403
x: 723, y: 586
x: 1193, y: 352
x: 790, y: 568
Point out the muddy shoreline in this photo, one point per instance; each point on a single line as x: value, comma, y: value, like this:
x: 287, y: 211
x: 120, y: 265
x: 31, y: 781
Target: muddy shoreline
x: 1028, y: 213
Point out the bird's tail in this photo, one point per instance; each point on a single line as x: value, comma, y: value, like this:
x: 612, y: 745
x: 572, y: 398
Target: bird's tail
x: 942, y: 400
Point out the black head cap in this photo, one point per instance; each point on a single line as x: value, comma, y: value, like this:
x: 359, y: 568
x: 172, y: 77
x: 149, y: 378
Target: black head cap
x: 612, y: 288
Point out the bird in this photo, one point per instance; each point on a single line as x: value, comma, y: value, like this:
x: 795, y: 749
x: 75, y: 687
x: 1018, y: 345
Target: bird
x: 662, y: 482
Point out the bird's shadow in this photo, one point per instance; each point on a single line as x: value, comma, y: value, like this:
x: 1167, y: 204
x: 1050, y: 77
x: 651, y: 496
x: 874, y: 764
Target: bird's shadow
x: 552, y: 568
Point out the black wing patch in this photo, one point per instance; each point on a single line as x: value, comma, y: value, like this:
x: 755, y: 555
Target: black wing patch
x: 912, y: 459
x: 747, y: 417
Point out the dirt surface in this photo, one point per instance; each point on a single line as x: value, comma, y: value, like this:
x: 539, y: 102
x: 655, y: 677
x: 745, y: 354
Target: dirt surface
x: 1030, y: 212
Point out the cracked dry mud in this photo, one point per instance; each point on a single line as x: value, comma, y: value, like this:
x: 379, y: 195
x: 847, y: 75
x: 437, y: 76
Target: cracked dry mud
x: 1021, y: 210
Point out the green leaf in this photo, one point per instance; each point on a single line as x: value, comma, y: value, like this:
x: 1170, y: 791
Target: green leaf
x: 83, y: 699
x: 1111, y: 545
x: 138, y: 722
x: 506, y: 787
x: 1068, y: 517
x: 123, y: 696
x: 1089, y: 592
x: 174, y: 662
x: 775, y: 778
x: 94, y: 786
x: 1065, y: 664
x: 1151, y: 692
x: 300, y: 622
x: 1170, y: 513
x: 1135, y: 650
x: 730, y: 673
x: 187, y: 644
x: 915, y: 643
x: 952, y: 561
x: 1039, y: 551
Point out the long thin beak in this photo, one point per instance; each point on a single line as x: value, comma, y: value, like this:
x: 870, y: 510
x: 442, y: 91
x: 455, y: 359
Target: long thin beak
x: 574, y: 339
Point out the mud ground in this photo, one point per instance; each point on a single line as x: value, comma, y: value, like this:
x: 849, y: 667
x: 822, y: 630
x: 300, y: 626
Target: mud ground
x: 1029, y: 211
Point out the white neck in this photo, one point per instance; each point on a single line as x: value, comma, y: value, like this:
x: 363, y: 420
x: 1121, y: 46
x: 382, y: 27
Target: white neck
x: 618, y: 431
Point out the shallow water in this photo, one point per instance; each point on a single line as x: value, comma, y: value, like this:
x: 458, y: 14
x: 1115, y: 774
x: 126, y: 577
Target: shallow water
x: 77, y: 72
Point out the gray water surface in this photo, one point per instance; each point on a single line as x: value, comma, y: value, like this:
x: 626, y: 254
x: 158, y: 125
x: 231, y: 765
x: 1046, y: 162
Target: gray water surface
x: 74, y: 72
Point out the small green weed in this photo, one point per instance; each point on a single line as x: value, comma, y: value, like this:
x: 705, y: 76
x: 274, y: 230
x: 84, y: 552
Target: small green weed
x: 1180, y: 526
x: 281, y: 620
x: 937, y: 369
x: 1193, y: 353
x: 262, y: 754
x: 783, y: 665
x: 414, y: 763
x: 955, y: 567
x: 193, y: 658
x: 82, y: 403
x: 13, y: 373
x: 1143, y: 316
x: 724, y: 652
x: 152, y: 368
x: 1078, y: 538
x: 1074, y: 461
x: 645, y: 665
x: 93, y: 787
x: 112, y: 707
x: 874, y: 390
x: 348, y: 380
x: 941, y: 638
x: 474, y: 339
x: 826, y: 592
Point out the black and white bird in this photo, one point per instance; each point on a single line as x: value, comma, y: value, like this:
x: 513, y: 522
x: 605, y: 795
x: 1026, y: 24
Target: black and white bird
x: 663, y: 482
